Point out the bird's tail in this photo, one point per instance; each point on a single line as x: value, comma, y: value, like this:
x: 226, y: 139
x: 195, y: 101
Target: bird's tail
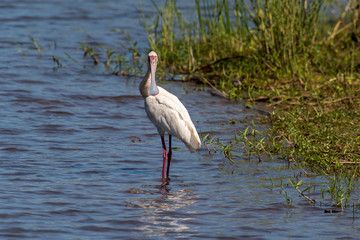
x: 194, y: 143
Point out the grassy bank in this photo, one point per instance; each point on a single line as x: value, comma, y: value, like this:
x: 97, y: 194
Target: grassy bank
x: 301, y: 57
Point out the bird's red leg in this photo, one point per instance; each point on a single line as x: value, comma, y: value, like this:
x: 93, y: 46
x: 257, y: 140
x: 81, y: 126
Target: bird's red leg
x: 164, y: 156
x: 169, y: 157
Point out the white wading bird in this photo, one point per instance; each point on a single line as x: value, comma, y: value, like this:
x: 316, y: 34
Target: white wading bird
x: 167, y: 113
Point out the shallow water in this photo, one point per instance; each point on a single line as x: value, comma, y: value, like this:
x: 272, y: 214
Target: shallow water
x: 80, y: 160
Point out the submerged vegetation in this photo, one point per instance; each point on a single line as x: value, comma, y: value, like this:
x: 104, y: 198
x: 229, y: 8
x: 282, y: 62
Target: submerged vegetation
x: 301, y: 57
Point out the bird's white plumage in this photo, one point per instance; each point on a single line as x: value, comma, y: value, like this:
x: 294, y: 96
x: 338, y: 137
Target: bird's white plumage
x: 169, y: 115
x: 166, y: 111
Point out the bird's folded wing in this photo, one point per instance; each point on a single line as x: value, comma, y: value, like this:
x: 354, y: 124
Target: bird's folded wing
x: 169, y: 115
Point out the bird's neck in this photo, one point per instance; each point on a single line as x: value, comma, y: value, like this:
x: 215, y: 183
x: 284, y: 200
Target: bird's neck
x: 145, y: 85
x: 148, y: 85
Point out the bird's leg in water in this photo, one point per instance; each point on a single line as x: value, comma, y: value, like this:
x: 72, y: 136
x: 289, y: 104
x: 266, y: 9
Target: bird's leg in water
x: 169, y: 157
x: 164, y: 156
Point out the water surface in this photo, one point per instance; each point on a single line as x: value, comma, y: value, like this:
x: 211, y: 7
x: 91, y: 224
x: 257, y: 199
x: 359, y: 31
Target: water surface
x: 80, y: 160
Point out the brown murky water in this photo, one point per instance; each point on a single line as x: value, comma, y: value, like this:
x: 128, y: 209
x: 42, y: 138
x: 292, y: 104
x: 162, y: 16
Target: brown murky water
x: 80, y: 160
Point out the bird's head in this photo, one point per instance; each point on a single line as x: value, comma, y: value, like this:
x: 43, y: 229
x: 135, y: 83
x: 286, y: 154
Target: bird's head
x: 152, y: 58
x: 153, y: 90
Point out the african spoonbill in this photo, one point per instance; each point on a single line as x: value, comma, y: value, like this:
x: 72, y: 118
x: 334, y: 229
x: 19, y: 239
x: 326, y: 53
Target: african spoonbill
x: 167, y: 113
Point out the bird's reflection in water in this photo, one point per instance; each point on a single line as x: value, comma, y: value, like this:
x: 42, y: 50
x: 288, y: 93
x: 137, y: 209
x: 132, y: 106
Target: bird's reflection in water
x: 167, y: 214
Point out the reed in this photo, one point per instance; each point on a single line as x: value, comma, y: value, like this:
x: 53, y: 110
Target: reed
x: 186, y: 45
x: 286, y: 32
x: 278, y: 35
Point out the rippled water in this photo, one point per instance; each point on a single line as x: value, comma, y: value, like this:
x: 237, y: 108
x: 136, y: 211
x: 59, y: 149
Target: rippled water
x: 80, y: 160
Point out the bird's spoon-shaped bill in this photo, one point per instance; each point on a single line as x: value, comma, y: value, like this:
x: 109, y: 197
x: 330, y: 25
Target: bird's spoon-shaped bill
x: 153, y: 88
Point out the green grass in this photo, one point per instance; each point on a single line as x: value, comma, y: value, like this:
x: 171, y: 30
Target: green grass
x: 322, y: 137
x: 296, y: 56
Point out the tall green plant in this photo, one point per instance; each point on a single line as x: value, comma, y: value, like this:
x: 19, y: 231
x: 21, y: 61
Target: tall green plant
x: 281, y: 33
x: 186, y: 44
x: 286, y: 30
x: 167, y: 32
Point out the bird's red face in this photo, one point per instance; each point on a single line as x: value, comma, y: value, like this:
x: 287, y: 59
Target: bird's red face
x: 153, y: 90
x: 153, y: 59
